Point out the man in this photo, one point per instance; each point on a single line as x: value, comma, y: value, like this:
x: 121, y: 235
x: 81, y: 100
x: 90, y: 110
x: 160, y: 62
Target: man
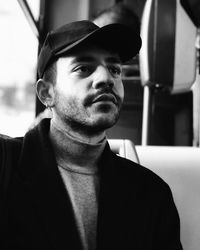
x: 63, y: 188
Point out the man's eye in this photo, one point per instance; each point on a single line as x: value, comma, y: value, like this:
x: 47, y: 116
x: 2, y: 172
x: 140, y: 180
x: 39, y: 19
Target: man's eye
x: 114, y: 70
x: 84, y: 69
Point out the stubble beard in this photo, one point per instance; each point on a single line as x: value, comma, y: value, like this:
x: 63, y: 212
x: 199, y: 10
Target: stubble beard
x: 82, y: 119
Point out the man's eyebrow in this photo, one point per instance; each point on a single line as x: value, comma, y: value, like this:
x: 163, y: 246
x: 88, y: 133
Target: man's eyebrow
x: 83, y: 59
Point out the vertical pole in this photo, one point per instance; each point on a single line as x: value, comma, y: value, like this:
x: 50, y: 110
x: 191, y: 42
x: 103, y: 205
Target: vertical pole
x: 198, y: 79
x: 196, y: 97
x: 42, y: 28
x: 146, y: 116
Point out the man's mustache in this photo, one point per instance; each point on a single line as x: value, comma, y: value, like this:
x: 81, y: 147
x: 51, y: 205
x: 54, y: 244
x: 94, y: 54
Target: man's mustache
x: 106, y: 94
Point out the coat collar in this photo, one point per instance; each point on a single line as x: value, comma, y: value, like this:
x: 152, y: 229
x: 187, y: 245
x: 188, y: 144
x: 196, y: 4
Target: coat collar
x: 38, y: 169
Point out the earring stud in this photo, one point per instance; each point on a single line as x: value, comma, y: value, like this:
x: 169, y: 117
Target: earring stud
x: 48, y: 106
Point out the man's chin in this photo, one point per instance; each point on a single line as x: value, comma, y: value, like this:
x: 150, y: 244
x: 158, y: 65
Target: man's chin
x: 104, y: 116
x: 105, y: 121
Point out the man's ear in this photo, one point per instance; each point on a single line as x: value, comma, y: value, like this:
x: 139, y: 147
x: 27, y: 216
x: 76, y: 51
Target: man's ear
x: 45, y: 92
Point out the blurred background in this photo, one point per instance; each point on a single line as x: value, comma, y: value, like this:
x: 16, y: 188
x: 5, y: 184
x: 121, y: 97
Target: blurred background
x: 18, y: 59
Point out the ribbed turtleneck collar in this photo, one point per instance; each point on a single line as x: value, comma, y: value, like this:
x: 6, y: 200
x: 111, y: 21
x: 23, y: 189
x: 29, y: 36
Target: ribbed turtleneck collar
x: 72, y: 152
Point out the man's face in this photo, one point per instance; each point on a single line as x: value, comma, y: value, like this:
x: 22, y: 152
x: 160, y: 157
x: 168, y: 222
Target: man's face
x: 88, y: 89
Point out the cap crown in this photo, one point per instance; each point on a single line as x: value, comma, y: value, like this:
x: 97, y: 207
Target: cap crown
x: 117, y: 37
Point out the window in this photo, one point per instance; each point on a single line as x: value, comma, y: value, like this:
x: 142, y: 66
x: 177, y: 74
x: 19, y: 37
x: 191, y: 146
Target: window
x: 18, y: 58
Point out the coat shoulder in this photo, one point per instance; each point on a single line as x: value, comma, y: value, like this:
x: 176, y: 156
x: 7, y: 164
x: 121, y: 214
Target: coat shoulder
x: 135, y: 172
x: 9, y: 150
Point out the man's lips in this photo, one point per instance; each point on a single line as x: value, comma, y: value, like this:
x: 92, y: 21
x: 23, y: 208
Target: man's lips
x: 105, y: 98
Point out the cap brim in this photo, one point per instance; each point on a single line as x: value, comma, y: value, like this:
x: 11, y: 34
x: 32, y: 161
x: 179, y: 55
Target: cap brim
x: 117, y: 37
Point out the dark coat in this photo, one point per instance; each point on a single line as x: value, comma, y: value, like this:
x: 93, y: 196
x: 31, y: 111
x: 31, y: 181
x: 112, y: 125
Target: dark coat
x: 136, y: 208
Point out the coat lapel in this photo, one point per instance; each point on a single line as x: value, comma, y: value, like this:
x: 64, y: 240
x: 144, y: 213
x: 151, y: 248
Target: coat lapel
x: 49, y: 197
x: 119, y: 205
x: 109, y: 203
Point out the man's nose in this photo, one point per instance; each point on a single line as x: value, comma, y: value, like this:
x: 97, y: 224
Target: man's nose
x: 103, y: 78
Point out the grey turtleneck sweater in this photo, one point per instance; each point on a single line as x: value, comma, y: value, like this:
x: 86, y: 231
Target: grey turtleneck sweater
x: 78, y: 166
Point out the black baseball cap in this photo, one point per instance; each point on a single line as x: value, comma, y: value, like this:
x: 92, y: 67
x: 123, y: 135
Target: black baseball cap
x: 117, y: 37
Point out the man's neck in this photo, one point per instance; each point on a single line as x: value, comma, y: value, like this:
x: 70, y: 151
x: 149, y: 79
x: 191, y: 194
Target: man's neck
x: 75, y: 148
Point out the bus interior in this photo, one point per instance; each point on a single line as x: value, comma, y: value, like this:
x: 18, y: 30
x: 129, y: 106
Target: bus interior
x: 159, y: 126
